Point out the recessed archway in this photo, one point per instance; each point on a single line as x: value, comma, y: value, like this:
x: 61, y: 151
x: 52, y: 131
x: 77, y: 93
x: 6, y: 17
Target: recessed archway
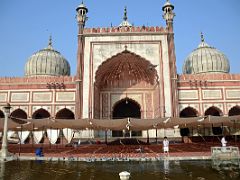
x: 19, y: 113
x: 234, y: 111
x: 41, y: 114
x: 118, y: 73
x: 126, y: 108
x: 213, y: 111
x: 125, y: 69
x: 189, y: 112
x: 65, y: 114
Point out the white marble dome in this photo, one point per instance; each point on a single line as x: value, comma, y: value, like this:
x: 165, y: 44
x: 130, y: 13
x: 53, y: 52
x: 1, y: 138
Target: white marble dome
x: 206, y: 59
x: 47, y: 62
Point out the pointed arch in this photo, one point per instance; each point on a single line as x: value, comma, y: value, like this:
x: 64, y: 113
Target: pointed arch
x: 125, y: 69
x: 41, y: 114
x: 189, y: 112
x: 19, y: 113
x: 126, y: 107
x: 234, y: 111
x: 65, y: 114
x: 213, y: 111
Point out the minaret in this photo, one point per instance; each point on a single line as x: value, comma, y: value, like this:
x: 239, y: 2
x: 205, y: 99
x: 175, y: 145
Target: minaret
x: 168, y: 15
x: 81, y: 19
x: 81, y: 16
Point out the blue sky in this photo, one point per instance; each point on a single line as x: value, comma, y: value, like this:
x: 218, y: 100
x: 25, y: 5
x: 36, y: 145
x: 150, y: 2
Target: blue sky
x: 25, y: 27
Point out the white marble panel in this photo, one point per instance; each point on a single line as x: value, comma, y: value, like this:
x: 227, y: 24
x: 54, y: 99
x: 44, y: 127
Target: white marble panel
x: 212, y: 94
x: 233, y: 94
x: 3, y: 96
x: 19, y: 97
x: 188, y: 94
x: 42, y: 96
x: 65, y: 96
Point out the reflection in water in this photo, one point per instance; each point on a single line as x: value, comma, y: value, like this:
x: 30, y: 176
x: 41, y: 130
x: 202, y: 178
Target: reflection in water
x: 228, y: 167
x: 174, y: 170
x: 2, y: 170
x: 166, y: 168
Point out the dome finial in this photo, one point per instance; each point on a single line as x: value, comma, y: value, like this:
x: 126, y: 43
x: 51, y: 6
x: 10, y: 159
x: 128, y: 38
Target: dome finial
x: 125, y: 22
x: 125, y: 14
x: 203, y: 43
x: 50, y: 43
x: 202, y: 37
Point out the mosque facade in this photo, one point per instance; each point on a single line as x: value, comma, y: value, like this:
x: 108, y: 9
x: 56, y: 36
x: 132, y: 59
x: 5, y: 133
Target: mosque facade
x: 123, y: 71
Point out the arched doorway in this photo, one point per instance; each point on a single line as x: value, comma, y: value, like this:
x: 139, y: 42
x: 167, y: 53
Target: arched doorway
x: 213, y: 111
x: 123, y: 71
x: 234, y: 111
x: 188, y: 112
x: 19, y: 113
x: 65, y: 114
x: 41, y: 114
x: 123, y: 109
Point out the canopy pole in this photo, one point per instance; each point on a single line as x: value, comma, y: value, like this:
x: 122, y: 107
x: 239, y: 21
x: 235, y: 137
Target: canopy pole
x: 32, y: 134
x: 235, y: 130
x: 20, y: 143
x: 43, y: 138
x: 105, y: 136
x: 222, y: 130
x: 50, y: 144
x: 57, y: 139
x: 147, y: 137
x: 62, y: 137
x: 156, y: 135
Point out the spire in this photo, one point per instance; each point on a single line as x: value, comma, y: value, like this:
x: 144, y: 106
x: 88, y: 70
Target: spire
x: 125, y: 22
x: 203, y: 43
x: 202, y: 38
x: 125, y: 14
x: 50, y: 43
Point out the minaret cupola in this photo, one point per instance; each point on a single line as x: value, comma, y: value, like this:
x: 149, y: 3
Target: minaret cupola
x: 82, y: 11
x: 168, y: 14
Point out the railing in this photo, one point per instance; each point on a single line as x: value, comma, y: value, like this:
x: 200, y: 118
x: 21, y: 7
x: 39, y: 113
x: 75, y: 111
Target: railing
x: 224, y: 153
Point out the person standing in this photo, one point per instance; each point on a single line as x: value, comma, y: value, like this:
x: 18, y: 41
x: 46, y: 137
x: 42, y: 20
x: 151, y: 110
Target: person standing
x: 166, y: 146
x: 223, y: 141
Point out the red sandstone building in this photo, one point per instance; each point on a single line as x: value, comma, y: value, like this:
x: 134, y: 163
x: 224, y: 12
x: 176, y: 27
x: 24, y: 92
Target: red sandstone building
x: 124, y: 71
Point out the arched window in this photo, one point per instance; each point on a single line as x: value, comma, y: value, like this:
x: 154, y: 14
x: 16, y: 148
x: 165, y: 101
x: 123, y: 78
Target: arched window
x: 234, y: 111
x: 213, y: 111
x: 65, y: 114
x: 19, y: 113
x: 189, y: 112
x: 41, y: 114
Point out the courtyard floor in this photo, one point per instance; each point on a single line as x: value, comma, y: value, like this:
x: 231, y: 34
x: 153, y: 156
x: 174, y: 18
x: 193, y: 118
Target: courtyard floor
x: 179, y: 150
